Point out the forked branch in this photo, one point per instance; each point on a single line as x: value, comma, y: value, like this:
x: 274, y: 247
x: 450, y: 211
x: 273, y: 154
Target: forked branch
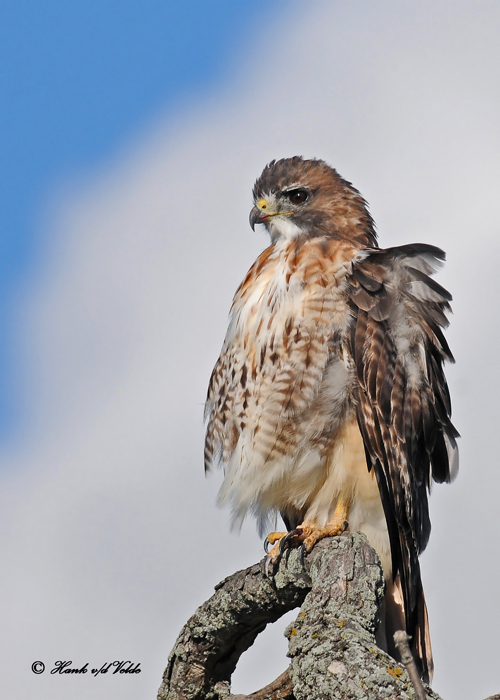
x: 332, y: 644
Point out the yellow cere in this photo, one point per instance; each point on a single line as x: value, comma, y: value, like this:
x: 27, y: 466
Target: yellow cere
x: 262, y: 204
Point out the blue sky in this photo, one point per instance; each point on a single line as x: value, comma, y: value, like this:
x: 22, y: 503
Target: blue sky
x: 131, y: 137
x: 77, y: 80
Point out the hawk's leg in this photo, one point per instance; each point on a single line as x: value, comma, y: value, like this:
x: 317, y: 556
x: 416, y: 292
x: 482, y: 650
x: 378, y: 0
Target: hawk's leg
x: 307, y: 534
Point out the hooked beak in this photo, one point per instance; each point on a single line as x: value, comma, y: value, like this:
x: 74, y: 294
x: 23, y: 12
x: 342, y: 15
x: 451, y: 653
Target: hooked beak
x: 256, y: 217
x: 263, y: 211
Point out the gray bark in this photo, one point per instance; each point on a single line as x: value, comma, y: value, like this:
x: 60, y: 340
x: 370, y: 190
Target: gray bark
x: 332, y: 644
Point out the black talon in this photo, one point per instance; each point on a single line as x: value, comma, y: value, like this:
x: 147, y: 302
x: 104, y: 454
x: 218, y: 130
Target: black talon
x: 289, y: 536
x: 346, y: 525
x: 302, y: 555
x: 267, y: 567
x: 267, y: 544
x: 284, y: 541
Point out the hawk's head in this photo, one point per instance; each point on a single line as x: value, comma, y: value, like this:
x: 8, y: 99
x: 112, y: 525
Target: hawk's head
x: 296, y: 197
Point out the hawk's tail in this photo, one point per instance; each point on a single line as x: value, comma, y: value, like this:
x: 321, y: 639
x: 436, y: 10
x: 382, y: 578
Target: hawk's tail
x: 421, y: 640
x: 394, y: 619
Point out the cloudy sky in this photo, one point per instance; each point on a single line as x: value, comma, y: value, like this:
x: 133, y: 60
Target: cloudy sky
x: 132, y: 140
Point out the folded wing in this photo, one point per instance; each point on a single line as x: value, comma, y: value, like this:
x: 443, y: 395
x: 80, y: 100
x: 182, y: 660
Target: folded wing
x: 403, y: 403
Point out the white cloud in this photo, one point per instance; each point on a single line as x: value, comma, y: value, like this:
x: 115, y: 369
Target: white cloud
x: 106, y: 516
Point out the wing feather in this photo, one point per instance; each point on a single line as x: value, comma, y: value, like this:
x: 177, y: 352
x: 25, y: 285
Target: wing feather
x: 403, y: 402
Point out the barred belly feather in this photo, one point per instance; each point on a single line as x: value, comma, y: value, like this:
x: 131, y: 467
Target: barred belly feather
x: 283, y: 421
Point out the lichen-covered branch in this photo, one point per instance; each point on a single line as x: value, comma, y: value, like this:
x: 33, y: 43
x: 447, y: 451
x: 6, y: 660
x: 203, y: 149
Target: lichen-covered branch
x: 332, y: 645
x: 209, y: 646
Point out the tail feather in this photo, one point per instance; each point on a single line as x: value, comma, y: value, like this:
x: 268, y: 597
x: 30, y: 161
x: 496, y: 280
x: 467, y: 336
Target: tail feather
x: 421, y: 641
x: 393, y: 618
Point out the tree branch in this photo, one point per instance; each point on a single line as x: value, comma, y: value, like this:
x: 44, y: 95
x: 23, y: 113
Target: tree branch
x: 279, y: 689
x: 401, y: 641
x: 331, y: 644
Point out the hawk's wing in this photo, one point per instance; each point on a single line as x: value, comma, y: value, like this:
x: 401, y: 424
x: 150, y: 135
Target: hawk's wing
x: 403, y: 402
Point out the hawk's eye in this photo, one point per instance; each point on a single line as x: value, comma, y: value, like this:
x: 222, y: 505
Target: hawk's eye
x: 297, y: 196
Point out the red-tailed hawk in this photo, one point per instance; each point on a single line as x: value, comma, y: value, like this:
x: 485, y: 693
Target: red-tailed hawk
x: 328, y: 403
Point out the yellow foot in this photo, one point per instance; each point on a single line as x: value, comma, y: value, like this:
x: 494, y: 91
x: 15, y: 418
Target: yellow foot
x: 312, y: 533
x: 304, y: 536
x: 274, y: 538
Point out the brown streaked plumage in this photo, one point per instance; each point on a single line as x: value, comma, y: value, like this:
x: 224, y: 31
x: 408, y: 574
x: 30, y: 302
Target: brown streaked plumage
x: 328, y: 402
